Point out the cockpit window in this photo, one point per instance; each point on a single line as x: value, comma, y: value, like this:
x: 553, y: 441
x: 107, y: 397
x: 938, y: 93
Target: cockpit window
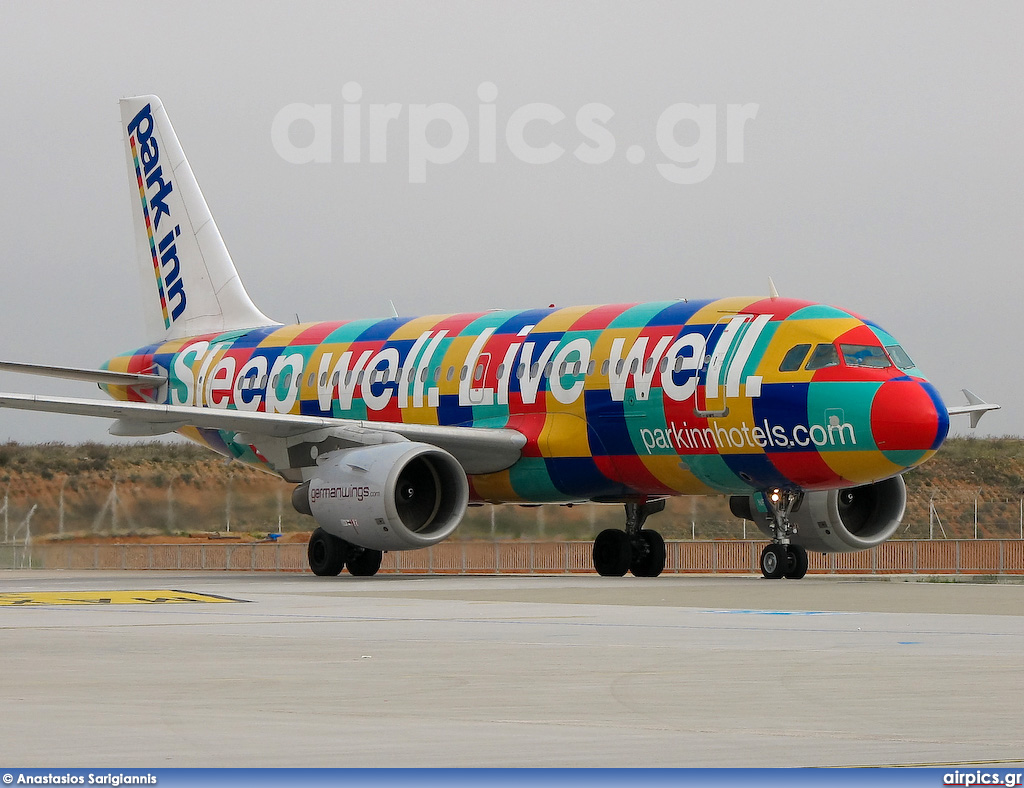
x: 823, y: 356
x: 900, y: 358
x: 794, y: 359
x: 865, y: 356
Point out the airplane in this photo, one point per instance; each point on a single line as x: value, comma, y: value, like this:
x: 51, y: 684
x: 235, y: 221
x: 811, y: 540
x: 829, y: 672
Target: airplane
x: 805, y: 414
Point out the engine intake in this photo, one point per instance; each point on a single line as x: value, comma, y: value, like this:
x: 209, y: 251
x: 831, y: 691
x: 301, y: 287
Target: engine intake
x: 393, y: 496
x: 838, y: 521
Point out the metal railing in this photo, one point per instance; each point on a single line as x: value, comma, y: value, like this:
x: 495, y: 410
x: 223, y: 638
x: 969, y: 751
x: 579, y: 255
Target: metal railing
x: 959, y: 557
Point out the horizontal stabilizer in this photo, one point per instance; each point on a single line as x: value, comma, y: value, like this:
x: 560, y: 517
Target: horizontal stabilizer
x: 88, y: 375
x: 977, y: 408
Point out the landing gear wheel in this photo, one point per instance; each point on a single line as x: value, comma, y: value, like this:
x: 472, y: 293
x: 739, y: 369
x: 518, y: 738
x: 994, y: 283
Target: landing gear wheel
x: 774, y: 561
x: 612, y: 553
x: 364, y: 563
x: 651, y: 561
x: 796, y: 565
x: 326, y: 553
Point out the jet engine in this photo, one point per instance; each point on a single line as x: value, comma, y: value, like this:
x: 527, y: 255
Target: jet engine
x: 837, y: 521
x: 392, y: 496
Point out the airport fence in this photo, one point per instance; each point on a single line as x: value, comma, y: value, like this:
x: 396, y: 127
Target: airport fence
x: 925, y: 557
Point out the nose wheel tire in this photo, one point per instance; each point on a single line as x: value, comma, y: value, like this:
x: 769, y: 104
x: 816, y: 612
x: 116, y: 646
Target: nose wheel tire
x: 797, y: 564
x: 774, y: 561
x: 784, y: 560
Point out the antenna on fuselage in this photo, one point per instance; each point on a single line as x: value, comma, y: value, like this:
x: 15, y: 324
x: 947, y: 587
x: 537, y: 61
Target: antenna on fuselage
x: 772, y: 292
x: 394, y: 312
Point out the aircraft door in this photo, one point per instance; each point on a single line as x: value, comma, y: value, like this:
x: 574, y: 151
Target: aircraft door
x: 477, y: 392
x: 711, y: 391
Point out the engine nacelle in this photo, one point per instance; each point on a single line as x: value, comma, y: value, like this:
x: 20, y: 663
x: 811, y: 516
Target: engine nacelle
x: 392, y: 496
x: 837, y: 521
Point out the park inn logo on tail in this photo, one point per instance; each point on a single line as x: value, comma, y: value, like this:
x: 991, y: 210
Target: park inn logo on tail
x: 152, y: 182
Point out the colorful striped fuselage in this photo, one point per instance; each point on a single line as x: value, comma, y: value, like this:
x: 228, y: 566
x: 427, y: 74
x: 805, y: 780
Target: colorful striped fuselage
x: 616, y: 402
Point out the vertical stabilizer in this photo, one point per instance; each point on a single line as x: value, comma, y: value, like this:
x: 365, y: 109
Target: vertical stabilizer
x: 193, y: 285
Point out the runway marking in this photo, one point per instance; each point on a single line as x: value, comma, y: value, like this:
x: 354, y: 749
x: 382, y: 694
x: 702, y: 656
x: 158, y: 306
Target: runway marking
x: 160, y: 597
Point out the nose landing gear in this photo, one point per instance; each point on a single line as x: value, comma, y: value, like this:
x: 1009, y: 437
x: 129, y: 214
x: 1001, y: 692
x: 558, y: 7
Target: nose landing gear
x: 782, y: 558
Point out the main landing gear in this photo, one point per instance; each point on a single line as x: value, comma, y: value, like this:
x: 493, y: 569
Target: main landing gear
x: 632, y: 550
x: 328, y: 555
x: 782, y: 558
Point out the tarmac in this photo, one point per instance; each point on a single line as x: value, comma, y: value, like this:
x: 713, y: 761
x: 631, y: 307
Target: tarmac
x: 496, y: 671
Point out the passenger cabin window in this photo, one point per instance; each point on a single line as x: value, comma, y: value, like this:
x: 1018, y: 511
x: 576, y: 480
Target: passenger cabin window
x: 900, y: 358
x: 870, y: 356
x: 794, y: 359
x: 823, y: 356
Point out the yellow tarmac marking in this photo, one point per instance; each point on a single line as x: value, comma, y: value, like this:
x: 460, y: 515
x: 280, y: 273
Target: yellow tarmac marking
x: 35, y: 598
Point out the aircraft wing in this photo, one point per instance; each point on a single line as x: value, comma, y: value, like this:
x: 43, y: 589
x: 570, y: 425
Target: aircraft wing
x: 477, y: 449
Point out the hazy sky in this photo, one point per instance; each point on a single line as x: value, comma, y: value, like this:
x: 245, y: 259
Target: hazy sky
x: 883, y: 171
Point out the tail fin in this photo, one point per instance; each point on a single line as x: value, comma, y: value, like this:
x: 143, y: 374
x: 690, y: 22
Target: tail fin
x: 197, y: 289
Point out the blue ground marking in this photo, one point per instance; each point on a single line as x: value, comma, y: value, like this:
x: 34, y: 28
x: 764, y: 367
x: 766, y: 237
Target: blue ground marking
x: 781, y: 612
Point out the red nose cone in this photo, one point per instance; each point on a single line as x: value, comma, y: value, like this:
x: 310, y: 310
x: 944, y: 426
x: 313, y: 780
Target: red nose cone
x: 905, y: 416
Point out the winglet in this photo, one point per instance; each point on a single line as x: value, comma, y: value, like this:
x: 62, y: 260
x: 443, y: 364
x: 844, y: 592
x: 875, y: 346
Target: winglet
x: 772, y: 292
x: 977, y: 408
